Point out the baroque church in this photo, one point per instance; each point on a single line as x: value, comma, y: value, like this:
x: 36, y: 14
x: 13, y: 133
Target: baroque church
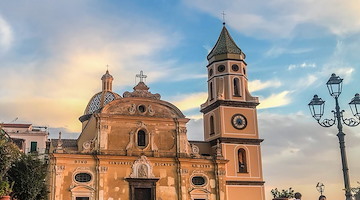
x: 135, y: 146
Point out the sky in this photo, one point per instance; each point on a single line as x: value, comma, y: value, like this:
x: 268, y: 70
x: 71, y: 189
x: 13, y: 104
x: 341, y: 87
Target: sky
x: 53, y: 54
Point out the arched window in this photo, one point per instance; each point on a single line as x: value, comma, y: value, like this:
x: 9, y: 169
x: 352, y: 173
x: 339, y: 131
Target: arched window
x: 141, y: 138
x: 242, y: 161
x: 212, y: 127
x: 211, y: 92
x: 237, y: 87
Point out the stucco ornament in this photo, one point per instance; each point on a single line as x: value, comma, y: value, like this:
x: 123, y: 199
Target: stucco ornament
x: 142, y: 168
x: 151, y: 110
x: 141, y: 90
x: 132, y: 109
x: 195, y: 151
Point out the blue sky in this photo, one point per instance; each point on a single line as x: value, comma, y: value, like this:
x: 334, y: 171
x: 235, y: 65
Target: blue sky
x: 52, y: 55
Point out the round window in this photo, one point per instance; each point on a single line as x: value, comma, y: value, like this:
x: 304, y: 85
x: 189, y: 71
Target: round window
x: 198, y: 180
x: 235, y: 68
x: 210, y: 72
x: 142, y: 108
x: 221, y: 68
x: 83, y: 177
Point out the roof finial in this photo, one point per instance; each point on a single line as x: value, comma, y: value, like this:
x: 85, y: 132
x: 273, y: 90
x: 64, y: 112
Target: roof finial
x: 141, y: 76
x: 223, y: 14
x: 107, y: 68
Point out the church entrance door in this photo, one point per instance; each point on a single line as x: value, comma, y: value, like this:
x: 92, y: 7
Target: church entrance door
x: 82, y: 198
x: 142, y: 188
x: 143, y: 194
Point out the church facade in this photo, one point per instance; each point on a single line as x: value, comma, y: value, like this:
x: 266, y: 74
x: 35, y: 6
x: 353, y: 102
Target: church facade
x: 135, y: 146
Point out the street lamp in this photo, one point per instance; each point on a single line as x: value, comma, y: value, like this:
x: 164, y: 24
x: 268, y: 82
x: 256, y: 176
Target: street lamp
x: 316, y: 105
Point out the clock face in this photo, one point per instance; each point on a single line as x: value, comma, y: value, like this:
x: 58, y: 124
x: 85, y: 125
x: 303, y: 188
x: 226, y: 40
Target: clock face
x: 239, y: 121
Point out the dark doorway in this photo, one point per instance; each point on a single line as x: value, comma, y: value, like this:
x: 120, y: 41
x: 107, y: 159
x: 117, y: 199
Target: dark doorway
x: 142, y: 188
x: 82, y: 198
x: 143, y: 194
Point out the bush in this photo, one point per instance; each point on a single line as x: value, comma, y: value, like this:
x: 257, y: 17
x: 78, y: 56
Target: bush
x: 283, y: 194
x: 28, y: 174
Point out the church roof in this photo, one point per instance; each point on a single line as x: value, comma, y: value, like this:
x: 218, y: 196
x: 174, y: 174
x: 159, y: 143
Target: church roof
x: 107, y: 75
x: 99, y: 100
x: 224, y: 45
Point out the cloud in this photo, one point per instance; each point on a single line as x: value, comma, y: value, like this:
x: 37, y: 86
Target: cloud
x: 6, y: 36
x: 190, y: 101
x: 289, y: 140
x: 302, y: 65
x: 277, y: 51
x: 310, y: 80
x: 257, y: 85
x: 51, y: 81
x: 275, y: 100
x: 264, y: 19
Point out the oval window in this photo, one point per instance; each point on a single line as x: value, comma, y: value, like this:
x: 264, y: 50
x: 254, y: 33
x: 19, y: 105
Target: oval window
x: 142, y: 108
x: 221, y: 68
x: 198, y: 180
x: 235, y: 68
x: 82, y: 177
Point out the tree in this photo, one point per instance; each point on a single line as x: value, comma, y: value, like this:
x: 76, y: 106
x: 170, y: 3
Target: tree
x: 9, y: 152
x: 28, y: 175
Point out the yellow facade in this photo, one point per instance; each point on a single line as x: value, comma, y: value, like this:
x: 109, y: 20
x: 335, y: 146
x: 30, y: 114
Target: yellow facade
x: 135, y: 146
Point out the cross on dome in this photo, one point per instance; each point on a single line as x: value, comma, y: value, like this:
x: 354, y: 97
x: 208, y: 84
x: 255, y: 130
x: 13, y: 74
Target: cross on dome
x: 141, y: 76
x: 223, y: 14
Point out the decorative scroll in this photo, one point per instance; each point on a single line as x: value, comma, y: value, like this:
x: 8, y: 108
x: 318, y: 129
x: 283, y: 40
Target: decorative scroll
x: 351, y: 122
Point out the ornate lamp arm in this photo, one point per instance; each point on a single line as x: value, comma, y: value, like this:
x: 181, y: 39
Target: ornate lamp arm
x: 352, y: 122
x: 327, y: 122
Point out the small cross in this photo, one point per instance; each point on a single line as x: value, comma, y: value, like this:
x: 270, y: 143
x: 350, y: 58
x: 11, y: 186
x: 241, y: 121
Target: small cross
x: 107, y: 67
x: 141, y: 76
x: 223, y: 14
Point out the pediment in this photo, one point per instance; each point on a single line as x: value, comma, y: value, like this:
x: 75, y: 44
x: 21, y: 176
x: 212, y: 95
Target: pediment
x: 135, y: 106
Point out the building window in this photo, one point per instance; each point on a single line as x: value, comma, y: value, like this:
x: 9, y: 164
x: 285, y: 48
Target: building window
x: 142, y: 108
x: 221, y: 68
x: 235, y: 67
x: 237, y: 87
x: 211, y: 91
x: 212, y: 127
x: 33, y: 147
x: 242, y: 161
x: 141, y: 138
x: 198, y: 180
x: 83, y: 177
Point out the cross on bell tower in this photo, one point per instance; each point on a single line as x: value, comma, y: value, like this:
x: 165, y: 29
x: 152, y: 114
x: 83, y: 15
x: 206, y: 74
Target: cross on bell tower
x: 142, y: 76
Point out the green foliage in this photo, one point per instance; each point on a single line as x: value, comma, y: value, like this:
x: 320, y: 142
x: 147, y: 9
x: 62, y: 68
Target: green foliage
x: 9, y: 152
x: 283, y: 194
x: 5, y: 188
x: 28, y: 174
x: 356, y: 192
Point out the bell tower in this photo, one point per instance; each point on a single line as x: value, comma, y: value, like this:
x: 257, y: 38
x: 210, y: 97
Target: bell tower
x: 230, y: 117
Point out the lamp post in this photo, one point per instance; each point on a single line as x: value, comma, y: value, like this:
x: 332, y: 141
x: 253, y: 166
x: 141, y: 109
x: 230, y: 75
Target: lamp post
x: 316, y: 105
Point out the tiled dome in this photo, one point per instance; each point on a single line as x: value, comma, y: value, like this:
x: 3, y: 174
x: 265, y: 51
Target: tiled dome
x: 99, y: 100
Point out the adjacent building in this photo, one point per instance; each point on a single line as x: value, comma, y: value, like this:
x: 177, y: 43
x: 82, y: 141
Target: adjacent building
x: 135, y: 146
x: 29, y: 138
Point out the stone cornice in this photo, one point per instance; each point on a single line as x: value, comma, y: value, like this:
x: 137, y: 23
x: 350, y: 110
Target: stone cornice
x: 236, y: 141
x: 218, y: 103
x: 245, y: 182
